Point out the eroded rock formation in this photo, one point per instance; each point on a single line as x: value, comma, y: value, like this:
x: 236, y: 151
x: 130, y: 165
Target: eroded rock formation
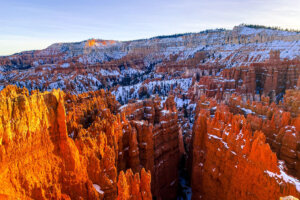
x: 155, y: 144
x: 34, y: 128
x: 277, y: 123
x: 231, y: 162
x: 40, y: 161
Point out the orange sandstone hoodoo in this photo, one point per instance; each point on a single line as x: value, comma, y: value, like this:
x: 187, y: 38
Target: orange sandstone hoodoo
x: 229, y: 161
x: 39, y: 161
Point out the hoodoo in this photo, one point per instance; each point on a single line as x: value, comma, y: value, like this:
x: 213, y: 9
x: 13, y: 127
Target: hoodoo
x: 40, y: 161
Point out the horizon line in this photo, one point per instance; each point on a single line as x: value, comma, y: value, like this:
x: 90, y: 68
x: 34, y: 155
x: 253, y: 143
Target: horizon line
x: 178, y: 34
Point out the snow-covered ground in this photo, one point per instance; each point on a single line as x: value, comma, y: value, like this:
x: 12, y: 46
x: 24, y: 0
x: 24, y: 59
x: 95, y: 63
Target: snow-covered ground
x: 124, y: 93
x: 236, y: 47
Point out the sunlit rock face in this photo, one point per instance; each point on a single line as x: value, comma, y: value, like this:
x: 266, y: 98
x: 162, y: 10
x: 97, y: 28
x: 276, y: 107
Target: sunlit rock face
x: 288, y: 198
x: 229, y: 161
x: 132, y: 186
x: 99, y: 135
x: 277, y: 123
x: 91, y: 43
x: 40, y: 161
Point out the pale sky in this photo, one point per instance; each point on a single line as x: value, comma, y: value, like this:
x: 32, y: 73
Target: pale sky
x: 36, y: 24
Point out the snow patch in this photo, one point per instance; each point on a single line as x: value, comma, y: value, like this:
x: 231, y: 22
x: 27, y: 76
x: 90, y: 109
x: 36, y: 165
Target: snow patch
x: 98, y: 189
x: 284, y: 176
x: 218, y: 138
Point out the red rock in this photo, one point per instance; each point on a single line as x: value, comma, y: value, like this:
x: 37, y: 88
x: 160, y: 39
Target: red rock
x: 223, y: 151
x: 158, y: 143
x: 130, y: 186
x: 51, y: 165
x: 47, y: 165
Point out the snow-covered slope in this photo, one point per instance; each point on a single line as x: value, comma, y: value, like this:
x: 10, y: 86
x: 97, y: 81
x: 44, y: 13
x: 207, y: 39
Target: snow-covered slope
x: 239, y: 46
x: 95, y: 64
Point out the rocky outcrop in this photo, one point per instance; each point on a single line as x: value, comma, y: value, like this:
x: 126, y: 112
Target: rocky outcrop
x: 101, y: 138
x: 291, y: 101
x: 224, y: 150
x: 40, y: 161
x: 270, y: 78
x: 155, y: 143
x: 131, y: 186
x: 278, y: 125
x: 130, y: 139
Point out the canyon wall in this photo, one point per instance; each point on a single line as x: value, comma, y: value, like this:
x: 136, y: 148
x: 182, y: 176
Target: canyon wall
x: 270, y: 78
x: 155, y: 146
x: 145, y: 134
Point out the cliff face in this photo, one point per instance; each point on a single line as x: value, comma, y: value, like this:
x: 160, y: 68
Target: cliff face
x: 231, y: 162
x: 155, y: 143
x: 278, y: 125
x: 133, y: 187
x: 99, y: 136
x: 40, y: 161
x: 270, y: 78
x: 33, y: 128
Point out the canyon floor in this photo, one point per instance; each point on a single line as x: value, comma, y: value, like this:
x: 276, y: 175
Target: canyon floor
x: 209, y: 115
